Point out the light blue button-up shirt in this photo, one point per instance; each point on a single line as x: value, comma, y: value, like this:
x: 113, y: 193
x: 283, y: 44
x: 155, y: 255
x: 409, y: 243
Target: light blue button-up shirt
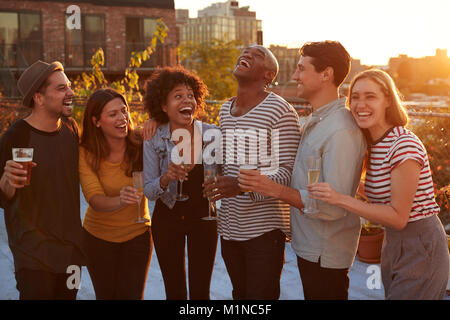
x: 332, y: 234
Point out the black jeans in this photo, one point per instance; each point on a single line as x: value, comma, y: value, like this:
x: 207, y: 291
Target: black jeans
x: 170, y: 232
x: 44, y: 285
x: 255, y: 265
x: 118, y: 270
x: 323, y: 283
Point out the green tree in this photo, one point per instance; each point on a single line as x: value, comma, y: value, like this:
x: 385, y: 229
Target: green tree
x: 214, y: 62
x: 85, y: 85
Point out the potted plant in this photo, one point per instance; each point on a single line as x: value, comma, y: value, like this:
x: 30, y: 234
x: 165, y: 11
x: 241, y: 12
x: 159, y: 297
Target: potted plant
x: 370, y: 242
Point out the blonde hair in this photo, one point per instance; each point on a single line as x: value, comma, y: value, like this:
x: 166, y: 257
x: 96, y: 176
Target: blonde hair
x: 396, y: 114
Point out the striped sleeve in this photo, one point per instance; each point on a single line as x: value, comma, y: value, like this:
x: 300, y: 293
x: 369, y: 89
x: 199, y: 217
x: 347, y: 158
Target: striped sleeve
x: 285, y: 140
x: 407, y: 147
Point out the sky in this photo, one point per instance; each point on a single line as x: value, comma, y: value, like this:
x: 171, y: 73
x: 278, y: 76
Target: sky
x: 370, y: 30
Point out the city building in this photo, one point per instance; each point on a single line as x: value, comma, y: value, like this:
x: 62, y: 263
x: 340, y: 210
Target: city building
x: 287, y: 60
x: 421, y: 69
x: 71, y: 31
x: 223, y: 21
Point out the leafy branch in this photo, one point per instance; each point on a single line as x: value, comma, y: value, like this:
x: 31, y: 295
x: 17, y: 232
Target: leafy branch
x: 129, y: 84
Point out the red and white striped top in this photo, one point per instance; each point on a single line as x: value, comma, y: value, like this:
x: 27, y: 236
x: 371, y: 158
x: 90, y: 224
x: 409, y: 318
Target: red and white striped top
x: 397, y: 146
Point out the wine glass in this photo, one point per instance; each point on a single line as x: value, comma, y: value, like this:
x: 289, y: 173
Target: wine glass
x: 180, y: 196
x: 210, y: 172
x: 313, y: 164
x: 138, y: 183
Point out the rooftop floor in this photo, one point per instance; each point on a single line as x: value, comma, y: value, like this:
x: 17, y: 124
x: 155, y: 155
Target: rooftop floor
x: 291, y: 287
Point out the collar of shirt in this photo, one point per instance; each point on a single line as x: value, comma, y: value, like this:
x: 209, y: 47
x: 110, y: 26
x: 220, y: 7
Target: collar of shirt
x: 323, y: 112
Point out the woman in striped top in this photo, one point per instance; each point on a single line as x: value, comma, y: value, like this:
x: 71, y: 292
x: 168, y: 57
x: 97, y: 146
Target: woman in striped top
x: 399, y: 187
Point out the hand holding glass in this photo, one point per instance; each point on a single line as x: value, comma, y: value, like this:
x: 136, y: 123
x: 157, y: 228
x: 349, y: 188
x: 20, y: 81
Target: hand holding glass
x: 313, y: 164
x: 180, y: 195
x: 24, y: 156
x: 210, y: 172
x: 246, y: 166
x: 138, y: 183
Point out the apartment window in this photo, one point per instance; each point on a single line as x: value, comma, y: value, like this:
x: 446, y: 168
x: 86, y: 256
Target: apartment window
x: 139, y: 33
x: 20, y: 38
x: 82, y: 43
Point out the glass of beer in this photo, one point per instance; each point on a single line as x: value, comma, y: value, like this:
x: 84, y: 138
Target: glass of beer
x: 24, y: 156
x: 247, y: 166
x: 138, y: 183
x: 313, y: 164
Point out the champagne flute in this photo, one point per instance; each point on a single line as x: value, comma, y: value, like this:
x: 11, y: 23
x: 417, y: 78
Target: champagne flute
x: 138, y: 183
x: 313, y: 164
x: 210, y: 172
x: 180, y: 195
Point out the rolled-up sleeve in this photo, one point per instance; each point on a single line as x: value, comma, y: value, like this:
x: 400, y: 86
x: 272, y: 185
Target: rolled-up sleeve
x: 285, y: 140
x: 342, y: 159
x: 152, y: 172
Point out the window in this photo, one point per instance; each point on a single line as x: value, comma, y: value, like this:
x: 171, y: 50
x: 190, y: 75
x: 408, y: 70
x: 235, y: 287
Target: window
x: 20, y: 39
x: 82, y: 43
x: 139, y: 33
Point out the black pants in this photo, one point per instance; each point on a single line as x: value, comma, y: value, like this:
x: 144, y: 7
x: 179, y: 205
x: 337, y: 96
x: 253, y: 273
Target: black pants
x: 43, y: 285
x: 255, y: 265
x: 170, y: 232
x: 323, y: 283
x: 118, y: 270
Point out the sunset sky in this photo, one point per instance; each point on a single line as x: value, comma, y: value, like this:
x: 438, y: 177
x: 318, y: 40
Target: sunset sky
x: 371, y: 30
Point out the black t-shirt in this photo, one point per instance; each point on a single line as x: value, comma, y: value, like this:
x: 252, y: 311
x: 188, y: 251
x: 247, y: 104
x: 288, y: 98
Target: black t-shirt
x: 43, y: 219
x: 196, y: 206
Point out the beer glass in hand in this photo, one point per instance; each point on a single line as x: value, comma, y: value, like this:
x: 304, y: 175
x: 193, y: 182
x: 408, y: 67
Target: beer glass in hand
x: 247, y: 166
x: 313, y: 164
x: 24, y: 156
x: 210, y: 172
x: 138, y: 183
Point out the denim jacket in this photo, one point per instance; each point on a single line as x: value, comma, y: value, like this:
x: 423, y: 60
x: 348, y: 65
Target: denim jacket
x: 157, y: 153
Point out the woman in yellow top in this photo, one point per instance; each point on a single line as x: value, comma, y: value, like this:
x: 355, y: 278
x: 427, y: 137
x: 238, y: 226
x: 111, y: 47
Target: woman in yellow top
x: 118, y: 249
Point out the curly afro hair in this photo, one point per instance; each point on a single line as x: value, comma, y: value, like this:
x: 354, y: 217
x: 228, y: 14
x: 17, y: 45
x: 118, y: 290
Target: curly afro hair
x: 162, y: 81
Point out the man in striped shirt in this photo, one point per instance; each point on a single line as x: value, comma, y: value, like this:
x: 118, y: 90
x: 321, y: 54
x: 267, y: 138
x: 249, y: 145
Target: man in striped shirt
x: 325, y: 242
x: 262, y: 128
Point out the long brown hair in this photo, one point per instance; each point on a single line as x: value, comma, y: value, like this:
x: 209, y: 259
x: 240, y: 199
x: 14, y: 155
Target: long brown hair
x: 396, y: 114
x: 94, y: 141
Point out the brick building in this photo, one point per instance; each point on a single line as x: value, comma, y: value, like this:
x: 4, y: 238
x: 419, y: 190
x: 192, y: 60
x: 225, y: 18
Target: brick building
x: 48, y: 30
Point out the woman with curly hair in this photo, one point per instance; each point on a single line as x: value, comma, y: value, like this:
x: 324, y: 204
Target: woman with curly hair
x: 118, y: 250
x: 174, y: 99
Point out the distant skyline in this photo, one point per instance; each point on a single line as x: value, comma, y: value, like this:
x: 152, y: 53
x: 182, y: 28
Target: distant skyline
x: 372, y: 31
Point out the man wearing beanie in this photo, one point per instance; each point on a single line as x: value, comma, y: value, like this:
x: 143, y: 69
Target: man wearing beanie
x: 43, y: 218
